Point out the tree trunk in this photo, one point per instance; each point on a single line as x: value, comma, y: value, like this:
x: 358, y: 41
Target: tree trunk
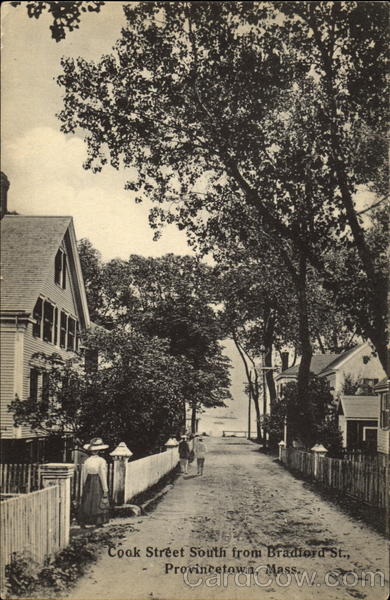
x: 306, y: 353
x: 253, y: 384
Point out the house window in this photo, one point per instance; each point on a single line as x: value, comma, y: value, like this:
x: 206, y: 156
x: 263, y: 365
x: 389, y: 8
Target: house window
x: 48, y: 321
x: 60, y: 268
x: 34, y: 384
x: 55, y: 326
x: 37, y: 315
x: 71, y: 334
x: 63, y: 329
x: 45, y: 388
x: 385, y: 410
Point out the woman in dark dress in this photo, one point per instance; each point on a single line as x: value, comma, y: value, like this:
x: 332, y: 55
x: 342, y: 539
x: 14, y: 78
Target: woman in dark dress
x: 94, y: 507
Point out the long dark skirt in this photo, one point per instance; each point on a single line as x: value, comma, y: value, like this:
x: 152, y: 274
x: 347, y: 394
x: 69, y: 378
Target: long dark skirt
x: 92, y: 511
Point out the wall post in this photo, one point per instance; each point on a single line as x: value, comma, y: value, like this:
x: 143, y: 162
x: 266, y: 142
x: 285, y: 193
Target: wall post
x: 60, y: 474
x: 121, y: 455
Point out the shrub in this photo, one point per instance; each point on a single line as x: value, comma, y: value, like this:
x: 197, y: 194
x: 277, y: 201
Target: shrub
x: 316, y: 423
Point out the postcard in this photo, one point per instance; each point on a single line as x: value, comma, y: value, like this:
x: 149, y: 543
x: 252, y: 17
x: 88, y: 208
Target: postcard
x: 194, y: 244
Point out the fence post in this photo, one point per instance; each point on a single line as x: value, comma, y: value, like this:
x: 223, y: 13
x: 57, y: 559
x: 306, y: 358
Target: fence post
x: 60, y: 474
x: 282, y: 444
x: 319, y: 450
x: 121, y: 455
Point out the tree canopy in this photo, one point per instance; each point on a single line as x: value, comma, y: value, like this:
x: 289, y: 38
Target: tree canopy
x: 278, y: 105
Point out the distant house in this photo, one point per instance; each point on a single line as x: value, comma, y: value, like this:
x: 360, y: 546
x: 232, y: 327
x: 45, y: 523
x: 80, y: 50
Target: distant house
x: 357, y: 365
x: 318, y: 363
x: 358, y: 421
x: 43, y: 309
x: 383, y: 391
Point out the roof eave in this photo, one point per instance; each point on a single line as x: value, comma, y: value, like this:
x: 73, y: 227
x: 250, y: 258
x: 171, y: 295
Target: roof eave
x: 79, y: 277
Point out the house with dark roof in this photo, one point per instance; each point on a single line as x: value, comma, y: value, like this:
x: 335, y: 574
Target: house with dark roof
x: 43, y: 309
x: 383, y: 390
x: 361, y: 369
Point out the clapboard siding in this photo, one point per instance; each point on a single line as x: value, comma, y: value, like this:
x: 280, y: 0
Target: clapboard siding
x: 64, y: 300
x: 383, y: 441
x: 7, y: 350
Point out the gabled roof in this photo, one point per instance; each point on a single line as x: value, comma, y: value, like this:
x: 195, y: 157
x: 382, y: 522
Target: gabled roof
x: 340, y: 358
x: 28, y: 248
x: 318, y: 363
x: 359, y: 407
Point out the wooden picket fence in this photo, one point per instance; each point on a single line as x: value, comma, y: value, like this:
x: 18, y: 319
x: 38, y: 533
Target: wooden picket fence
x: 32, y: 524
x: 19, y: 478
x: 143, y: 473
x: 367, y: 480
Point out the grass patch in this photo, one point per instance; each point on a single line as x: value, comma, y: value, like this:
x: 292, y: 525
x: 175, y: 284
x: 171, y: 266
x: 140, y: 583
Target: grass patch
x: 25, y: 578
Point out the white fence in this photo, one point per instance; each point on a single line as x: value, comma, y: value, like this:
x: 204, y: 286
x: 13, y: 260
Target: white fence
x: 33, y: 524
x: 145, y: 472
x: 367, y: 481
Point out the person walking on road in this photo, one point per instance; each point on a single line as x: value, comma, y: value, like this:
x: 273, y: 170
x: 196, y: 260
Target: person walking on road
x: 184, y: 454
x: 200, y: 453
x: 94, y: 506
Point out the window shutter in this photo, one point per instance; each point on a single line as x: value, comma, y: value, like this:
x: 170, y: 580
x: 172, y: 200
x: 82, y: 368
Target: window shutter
x: 34, y: 375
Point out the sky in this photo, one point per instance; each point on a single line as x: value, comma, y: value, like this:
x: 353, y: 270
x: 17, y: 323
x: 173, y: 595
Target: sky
x: 44, y: 166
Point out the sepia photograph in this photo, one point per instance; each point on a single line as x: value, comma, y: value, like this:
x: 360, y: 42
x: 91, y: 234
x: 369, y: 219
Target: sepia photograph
x: 194, y: 291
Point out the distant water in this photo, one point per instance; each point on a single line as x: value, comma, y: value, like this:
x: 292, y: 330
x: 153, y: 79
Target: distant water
x: 215, y: 424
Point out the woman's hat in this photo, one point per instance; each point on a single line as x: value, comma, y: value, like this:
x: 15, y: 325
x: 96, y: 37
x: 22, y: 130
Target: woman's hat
x: 95, y: 444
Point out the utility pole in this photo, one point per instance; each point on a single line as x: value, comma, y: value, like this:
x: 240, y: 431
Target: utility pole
x: 264, y: 369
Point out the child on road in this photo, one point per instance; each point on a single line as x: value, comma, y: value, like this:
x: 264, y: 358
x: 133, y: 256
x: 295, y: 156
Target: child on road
x: 200, y: 453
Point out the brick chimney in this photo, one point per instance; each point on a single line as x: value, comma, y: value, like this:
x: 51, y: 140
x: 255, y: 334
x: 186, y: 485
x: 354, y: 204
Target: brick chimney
x: 284, y: 356
x: 4, y: 193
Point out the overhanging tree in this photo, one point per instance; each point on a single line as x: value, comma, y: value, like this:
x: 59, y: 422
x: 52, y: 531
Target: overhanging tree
x: 207, y: 88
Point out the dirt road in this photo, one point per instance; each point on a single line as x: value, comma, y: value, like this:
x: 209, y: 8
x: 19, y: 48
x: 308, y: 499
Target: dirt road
x: 248, y: 514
